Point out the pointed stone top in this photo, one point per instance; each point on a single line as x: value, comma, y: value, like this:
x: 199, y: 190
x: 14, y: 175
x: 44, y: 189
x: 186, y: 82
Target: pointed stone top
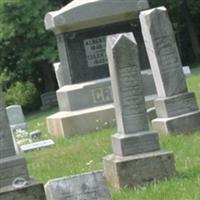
x: 147, y: 12
x: 112, y: 40
x: 82, y: 14
x: 157, y: 21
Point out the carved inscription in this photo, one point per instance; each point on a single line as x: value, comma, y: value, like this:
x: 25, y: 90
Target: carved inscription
x: 95, y: 49
x: 131, y: 90
x: 102, y: 95
x: 167, y: 52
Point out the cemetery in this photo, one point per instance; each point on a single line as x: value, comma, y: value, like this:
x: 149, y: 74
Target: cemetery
x: 117, y: 115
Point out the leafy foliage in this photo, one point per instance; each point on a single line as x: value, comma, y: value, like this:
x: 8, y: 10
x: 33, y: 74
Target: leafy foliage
x: 24, y: 94
x: 25, y: 46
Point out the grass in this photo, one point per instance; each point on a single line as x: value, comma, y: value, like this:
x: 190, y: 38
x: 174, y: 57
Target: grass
x: 84, y: 153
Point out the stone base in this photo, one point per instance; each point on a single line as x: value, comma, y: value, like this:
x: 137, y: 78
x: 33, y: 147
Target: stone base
x: 176, y: 105
x: 136, y: 170
x: 11, y: 168
x: 34, y: 191
x: 180, y: 124
x: 68, y: 124
x: 130, y: 144
x: 71, y: 123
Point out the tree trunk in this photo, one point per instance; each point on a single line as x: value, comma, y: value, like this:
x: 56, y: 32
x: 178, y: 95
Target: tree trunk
x: 191, y: 30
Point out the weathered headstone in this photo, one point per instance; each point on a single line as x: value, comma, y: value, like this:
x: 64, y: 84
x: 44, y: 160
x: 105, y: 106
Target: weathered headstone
x: 84, y: 36
x: 49, y: 99
x: 81, y: 44
x: 176, y: 108
x: 136, y: 157
x: 12, y: 166
x: 16, y: 117
x: 89, y: 186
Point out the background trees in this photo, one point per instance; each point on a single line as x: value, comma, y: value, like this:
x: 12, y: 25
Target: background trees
x: 27, y: 50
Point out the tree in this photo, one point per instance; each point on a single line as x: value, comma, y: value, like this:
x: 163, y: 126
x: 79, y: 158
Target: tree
x: 27, y: 50
x: 185, y: 16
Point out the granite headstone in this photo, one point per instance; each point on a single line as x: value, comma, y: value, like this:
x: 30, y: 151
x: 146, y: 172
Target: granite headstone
x: 134, y: 143
x: 16, y: 117
x: 176, y: 108
x: 84, y: 36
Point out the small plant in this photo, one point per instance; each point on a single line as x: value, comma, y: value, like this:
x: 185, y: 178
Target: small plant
x: 24, y: 94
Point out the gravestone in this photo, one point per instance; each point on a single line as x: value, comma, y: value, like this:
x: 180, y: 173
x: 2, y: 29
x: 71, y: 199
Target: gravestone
x: 176, y: 108
x: 16, y: 117
x: 84, y: 36
x: 49, y: 99
x: 81, y: 42
x: 12, y: 166
x: 136, y: 157
x: 90, y: 186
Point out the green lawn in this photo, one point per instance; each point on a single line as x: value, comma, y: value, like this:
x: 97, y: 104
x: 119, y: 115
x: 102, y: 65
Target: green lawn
x: 84, y: 153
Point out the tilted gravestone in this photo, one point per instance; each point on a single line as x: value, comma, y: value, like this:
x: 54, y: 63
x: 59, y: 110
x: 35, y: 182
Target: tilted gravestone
x: 16, y: 117
x: 176, y: 108
x: 13, y: 167
x: 87, y: 186
x: 136, y: 157
x: 81, y: 40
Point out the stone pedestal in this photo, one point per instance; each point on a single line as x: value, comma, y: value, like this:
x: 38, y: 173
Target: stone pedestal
x: 12, y: 167
x: 32, y: 191
x: 187, y: 123
x: 176, y: 108
x: 136, y: 170
x: 136, y: 157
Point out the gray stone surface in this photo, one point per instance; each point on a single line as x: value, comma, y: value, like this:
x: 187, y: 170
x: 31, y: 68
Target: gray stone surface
x: 34, y: 191
x: 176, y: 105
x: 137, y: 157
x: 126, y: 84
x: 148, y: 82
x: 176, y: 108
x: 69, y: 124
x: 84, y: 37
x: 135, y: 170
x: 184, y: 123
x: 60, y: 74
x: 95, y: 93
x: 63, y: 20
x: 124, y: 145
x: 90, y: 186
x: 84, y: 95
x: 11, y: 168
x: 16, y: 117
x: 162, y: 52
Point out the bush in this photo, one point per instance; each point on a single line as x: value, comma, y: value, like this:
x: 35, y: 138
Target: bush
x: 24, y: 94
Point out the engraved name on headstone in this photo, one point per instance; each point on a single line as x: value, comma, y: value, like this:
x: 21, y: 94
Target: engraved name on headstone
x: 95, y: 49
x: 102, y: 95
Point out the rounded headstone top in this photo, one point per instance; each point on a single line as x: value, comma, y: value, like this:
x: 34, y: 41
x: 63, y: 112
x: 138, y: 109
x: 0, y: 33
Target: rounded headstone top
x: 81, y: 14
